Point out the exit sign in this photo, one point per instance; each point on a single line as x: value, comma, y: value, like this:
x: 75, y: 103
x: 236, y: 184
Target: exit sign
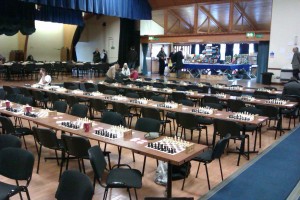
x: 250, y: 34
x: 259, y: 35
x: 153, y: 38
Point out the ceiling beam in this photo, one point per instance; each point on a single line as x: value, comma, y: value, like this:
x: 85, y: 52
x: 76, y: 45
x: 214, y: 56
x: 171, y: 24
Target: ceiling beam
x: 180, y: 18
x: 166, y: 13
x: 231, y: 10
x: 199, y: 28
x: 207, y: 13
x: 245, y: 16
x: 196, y: 18
x: 172, y: 26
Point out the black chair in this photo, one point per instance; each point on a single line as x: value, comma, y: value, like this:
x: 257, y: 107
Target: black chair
x: 60, y: 106
x: 124, y: 110
x: 113, y: 118
x: 132, y: 95
x: 71, y: 85
x: 9, y: 128
x: 211, y: 154
x: 39, y: 98
x: 26, y: 101
x: 74, y: 185
x: 109, y: 92
x: 147, y: 125
x: 212, y: 102
x: 178, y: 96
x: 79, y: 110
x: 235, y: 105
x: 9, y: 141
x: 261, y: 95
x: 158, y: 98
x: 53, y: 97
x: 90, y: 87
x: 97, y: 105
x: 26, y: 92
x: 47, y: 138
x: 292, y: 113
x: 159, y: 85
x: 16, y: 164
x: 252, y: 128
x: 117, y: 177
x: 102, y: 87
x: 71, y: 100
x: 155, y: 114
x: 224, y: 127
x: 188, y: 121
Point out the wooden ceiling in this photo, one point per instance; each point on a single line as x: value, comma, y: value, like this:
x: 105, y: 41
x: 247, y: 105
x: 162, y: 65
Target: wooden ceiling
x: 213, y: 15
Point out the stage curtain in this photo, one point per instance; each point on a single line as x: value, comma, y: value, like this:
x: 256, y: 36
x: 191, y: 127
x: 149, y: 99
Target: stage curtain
x: 244, y: 48
x: 131, y: 9
x: 75, y: 40
x: 201, y: 48
x: 59, y: 15
x: 255, y: 47
x: 126, y: 39
x: 16, y: 16
x: 229, y: 50
x: 145, y: 50
x: 262, y: 60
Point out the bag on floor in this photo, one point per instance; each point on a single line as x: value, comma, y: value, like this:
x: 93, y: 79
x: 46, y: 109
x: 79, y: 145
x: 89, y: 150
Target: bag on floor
x: 161, y: 176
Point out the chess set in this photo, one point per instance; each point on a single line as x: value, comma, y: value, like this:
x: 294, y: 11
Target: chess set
x: 114, y: 132
x: 78, y: 124
x: 171, y: 145
x: 263, y: 90
x: 139, y: 101
x: 245, y: 98
x: 221, y: 95
x: 77, y: 92
x: 276, y: 101
x: 218, y: 86
x: 116, y: 98
x: 204, y: 110
x: 234, y: 88
x: 168, y: 105
x: 244, y: 116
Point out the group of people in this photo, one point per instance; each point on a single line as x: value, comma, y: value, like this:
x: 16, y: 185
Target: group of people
x: 99, y: 57
x: 176, y: 59
x: 114, y: 73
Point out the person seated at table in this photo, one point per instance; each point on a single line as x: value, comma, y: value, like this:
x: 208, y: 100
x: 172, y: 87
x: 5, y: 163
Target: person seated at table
x: 45, y: 78
x: 111, y: 73
x: 125, y: 71
x: 292, y: 87
x: 134, y: 73
x: 30, y: 58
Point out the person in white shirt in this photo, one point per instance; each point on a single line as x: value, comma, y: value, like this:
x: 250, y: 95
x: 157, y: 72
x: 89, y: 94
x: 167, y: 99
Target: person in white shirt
x: 45, y: 78
x: 125, y: 70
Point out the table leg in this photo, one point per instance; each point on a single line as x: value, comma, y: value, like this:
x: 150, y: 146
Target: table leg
x: 77, y: 72
x: 169, y: 183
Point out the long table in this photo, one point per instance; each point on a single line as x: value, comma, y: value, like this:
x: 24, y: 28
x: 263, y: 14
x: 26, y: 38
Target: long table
x: 198, y: 67
x: 128, y: 143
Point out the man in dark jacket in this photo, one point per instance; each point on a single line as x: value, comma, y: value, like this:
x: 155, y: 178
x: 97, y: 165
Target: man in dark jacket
x: 291, y: 88
x: 161, y: 59
x: 179, y: 65
x: 296, y: 62
x: 96, y: 56
x: 132, y: 58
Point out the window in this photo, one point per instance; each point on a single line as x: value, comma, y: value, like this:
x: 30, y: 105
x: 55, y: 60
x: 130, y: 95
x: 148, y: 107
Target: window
x: 251, y: 49
x: 236, y: 49
x: 222, y: 51
x: 197, y: 49
x: 186, y: 49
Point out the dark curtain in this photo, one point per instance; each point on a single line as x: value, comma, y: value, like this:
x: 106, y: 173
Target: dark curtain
x: 262, y: 60
x: 131, y: 9
x: 193, y: 49
x: 256, y: 47
x: 145, y: 49
x: 229, y: 50
x: 201, y: 48
x: 59, y: 15
x: 75, y: 40
x: 127, y: 39
x: 16, y: 16
x: 244, y: 48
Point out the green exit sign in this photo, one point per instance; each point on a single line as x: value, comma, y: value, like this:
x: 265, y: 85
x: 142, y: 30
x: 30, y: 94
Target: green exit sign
x: 250, y: 34
x: 259, y: 35
x: 153, y: 38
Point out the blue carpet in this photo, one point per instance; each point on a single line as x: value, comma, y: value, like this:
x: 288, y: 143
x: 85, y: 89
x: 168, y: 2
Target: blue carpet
x: 271, y: 177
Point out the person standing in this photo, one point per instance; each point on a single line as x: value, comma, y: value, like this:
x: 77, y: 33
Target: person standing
x: 103, y: 56
x: 179, y: 64
x: 132, y: 58
x: 161, y: 59
x: 96, y: 56
x: 296, y: 62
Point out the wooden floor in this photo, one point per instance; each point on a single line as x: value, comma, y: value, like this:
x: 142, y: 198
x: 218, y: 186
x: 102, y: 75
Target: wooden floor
x: 44, y: 184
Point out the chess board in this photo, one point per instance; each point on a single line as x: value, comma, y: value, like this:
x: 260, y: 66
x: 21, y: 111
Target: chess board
x: 170, y: 145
